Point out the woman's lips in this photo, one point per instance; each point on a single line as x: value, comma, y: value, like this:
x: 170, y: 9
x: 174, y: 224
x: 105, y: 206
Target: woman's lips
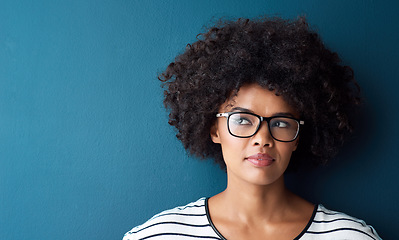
x: 260, y: 159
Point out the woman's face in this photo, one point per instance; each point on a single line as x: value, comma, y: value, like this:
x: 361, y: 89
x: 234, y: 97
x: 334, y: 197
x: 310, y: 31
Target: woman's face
x: 259, y: 159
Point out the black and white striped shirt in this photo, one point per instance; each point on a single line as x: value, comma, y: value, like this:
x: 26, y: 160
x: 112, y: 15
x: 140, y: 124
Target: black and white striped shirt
x: 193, y: 222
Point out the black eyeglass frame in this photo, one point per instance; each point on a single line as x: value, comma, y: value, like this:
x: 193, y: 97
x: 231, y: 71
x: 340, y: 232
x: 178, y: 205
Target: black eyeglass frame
x: 262, y: 119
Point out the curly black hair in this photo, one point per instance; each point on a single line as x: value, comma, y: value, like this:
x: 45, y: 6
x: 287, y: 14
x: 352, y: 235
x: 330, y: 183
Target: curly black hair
x: 284, y: 56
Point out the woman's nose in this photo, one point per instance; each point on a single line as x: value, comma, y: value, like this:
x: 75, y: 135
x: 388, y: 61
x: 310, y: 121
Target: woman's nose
x: 263, y: 136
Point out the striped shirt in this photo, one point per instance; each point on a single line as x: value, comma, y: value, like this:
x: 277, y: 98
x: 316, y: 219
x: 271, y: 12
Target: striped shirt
x: 193, y: 222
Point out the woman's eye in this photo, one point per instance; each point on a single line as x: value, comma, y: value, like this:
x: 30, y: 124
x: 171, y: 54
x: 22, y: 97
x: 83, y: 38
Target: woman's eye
x: 242, y: 121
x: 280, y: 124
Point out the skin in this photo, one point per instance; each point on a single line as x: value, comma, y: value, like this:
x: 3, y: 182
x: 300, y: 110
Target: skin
x: 256, y: 203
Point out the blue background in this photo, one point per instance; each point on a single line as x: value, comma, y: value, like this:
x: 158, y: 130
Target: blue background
x: 85, y: 148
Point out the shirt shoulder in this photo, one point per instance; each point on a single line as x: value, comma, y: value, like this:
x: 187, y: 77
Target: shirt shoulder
x: 183, y: 222
x: 328, y: 224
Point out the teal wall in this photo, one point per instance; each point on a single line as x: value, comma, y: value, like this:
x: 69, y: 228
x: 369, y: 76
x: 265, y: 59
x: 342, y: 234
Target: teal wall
x: 85, y: 148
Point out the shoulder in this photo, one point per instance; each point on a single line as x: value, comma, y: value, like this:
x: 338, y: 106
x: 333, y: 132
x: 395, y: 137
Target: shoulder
x: 178, y: 223
x: 328, y: 224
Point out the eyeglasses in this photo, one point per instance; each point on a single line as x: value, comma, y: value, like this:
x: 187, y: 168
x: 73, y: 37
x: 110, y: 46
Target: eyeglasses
x: 245, y: 125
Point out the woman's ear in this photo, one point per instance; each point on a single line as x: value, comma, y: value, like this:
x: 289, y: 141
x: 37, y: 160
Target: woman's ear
x: 215, y: 133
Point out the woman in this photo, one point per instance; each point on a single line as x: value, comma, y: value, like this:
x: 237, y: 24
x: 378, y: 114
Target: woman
x: 259, y: 97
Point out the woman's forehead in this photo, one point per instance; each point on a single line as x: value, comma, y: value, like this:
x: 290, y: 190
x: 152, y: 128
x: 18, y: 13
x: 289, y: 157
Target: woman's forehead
x: 259, y: 100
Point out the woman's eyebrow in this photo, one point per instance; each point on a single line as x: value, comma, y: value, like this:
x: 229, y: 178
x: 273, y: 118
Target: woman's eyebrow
x: 281, y: 114
x: 235, y: 109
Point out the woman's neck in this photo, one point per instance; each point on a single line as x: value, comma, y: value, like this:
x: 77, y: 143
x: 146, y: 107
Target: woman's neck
x: 247, y: 202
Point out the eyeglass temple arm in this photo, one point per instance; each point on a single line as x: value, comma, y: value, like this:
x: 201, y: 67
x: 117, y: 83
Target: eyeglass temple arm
x: 222, y: 115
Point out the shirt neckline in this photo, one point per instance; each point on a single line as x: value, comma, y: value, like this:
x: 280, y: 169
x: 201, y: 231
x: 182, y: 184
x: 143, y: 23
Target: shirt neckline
x: 223, y: 238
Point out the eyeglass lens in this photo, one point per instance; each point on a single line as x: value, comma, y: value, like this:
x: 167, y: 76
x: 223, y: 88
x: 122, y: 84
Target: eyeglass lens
x: 246, y: 125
